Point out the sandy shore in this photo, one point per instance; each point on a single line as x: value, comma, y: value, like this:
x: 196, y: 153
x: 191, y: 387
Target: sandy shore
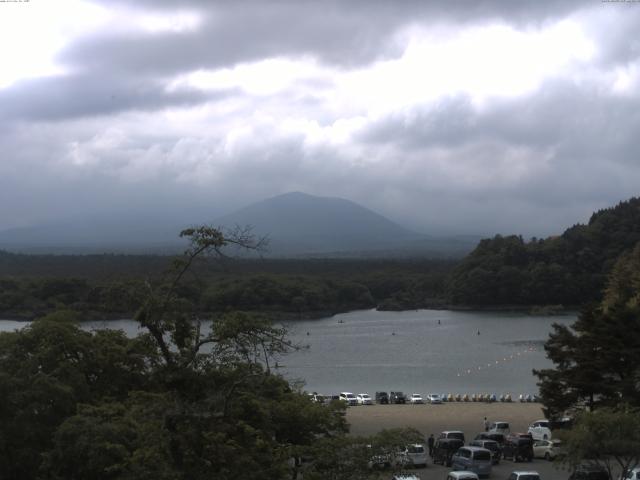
x: 468, y: 417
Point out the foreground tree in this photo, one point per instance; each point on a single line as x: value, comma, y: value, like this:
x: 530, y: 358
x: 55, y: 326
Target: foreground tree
x: 359, y: 458
x: 605, y: 437
x: 186, y: 400
x: 596, y: 359
x: 47, y: 370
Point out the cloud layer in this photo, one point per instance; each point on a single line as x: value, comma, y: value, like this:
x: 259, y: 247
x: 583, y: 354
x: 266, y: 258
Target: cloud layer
x: 451, y: 118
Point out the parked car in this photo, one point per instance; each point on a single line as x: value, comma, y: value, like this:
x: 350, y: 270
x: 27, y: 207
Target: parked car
x: 517, y: 449
x: 547, y: 449
x: 318, y: 398
x: 452, y: 434
x: 397, y: 397
x: 382, y: 398
x: 540, y: 430
x: 434, y: 398
x: 492, y: 446
x: 444, y: 448
x: 589, y: 472
x: 496, y: 437
x: 462, y: 476
x: 364, y: 399
x: 632, y: 475
x: 475, y: 459
x: 405, y: 476
x: 415, y: 398
x: 416, y: 454
x: 349, y: 398
x: 499, y: 427
x: 528, y: 475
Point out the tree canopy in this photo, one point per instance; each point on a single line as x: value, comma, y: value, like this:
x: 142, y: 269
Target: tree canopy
x: 596, y: 359
x: 607, y: 437
x: 569, y: 269
x: 184, y: 400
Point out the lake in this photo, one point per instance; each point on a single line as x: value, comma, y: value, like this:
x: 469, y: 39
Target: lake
x: 423, y: 351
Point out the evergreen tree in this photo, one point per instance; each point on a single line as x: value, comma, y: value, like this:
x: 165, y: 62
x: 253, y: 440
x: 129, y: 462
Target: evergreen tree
x: 596, y: 359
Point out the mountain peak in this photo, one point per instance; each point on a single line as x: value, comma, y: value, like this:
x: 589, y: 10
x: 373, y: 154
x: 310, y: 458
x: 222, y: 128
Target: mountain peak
x: 304, y: 223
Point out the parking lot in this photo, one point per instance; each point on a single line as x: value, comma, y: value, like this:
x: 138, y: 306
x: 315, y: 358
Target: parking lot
x: 468, y: 417
x: 547, y: 470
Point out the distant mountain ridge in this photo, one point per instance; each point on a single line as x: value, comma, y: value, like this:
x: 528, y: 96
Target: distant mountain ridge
x: 297, y: 224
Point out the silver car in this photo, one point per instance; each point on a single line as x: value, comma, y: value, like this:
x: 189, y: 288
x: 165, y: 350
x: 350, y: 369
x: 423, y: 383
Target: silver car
x: 474, y: 459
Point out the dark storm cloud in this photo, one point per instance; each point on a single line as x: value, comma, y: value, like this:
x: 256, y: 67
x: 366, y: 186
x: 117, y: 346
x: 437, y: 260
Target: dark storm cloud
x: 337, y: 32
x: 238, y: 32
x: 577, y: 151
x: 577, y: 123
x: 88, y: 94
x: 530, y: 164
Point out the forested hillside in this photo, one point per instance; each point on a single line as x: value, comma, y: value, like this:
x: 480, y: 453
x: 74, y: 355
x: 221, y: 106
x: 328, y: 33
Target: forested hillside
x: 569, y: 269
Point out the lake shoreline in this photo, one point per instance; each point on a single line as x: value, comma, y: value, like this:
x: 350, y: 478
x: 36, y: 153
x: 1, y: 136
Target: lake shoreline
x: 285, y: 316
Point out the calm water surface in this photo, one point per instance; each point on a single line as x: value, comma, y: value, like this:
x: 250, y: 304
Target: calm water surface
x: 423, y: 351
x: 411, y: 351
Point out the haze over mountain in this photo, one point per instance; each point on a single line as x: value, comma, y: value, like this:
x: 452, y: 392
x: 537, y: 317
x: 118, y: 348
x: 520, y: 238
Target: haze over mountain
x: 297, y: 224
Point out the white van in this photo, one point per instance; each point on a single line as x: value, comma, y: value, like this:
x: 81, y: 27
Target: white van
x: 349, y: 398
x: 540, y: 430
x: 500, y: 427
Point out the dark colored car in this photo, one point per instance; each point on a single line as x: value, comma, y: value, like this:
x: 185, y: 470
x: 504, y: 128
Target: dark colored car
x: 518, y: 448
x: 444, y: 449
x: 382, y: 398
x: 492, y: 446
x: 589, y: 472
x: 500, y: 438
x: 397, y: 397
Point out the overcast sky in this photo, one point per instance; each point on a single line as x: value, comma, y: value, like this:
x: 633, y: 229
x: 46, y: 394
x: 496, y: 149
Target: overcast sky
x: 447, y: 116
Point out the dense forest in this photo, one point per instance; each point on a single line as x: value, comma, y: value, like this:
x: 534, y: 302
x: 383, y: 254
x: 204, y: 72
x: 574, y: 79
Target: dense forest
x: 110, y: 286
x: 569, y: 269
